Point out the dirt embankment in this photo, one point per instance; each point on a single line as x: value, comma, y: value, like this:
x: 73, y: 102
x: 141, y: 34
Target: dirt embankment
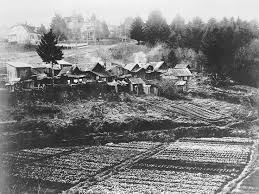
x: 127, y: 118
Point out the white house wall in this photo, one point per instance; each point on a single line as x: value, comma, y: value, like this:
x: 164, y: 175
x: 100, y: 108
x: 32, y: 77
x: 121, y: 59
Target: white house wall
x: 20, y: 35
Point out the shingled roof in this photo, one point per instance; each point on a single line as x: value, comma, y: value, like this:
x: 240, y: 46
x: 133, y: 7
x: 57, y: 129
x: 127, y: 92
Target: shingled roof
x: 182, y: 66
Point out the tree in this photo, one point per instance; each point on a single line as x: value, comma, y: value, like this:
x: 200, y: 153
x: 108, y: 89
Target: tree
x: 42, y: 29
x: 105, y: 55
x: 105, y: 30
x: 49, y: 51
x: 125, y: 27
x: 59, y: 27
x: 156, y: 28
x: 101, y: 30
x: 137, y: 30
x: 194, y: 31
x: 177, y: 37
x: 220, y: 43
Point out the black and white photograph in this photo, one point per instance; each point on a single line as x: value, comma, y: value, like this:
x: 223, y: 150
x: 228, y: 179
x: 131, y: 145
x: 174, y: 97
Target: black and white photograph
x: 129, y: 97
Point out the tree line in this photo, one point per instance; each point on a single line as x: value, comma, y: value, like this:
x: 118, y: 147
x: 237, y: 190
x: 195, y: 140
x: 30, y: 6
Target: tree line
x: 225, y: 49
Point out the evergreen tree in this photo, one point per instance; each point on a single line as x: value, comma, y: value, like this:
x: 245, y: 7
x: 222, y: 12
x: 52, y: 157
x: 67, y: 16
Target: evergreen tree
x: 59, y: 27
x: 49, y: 51
x: 137, y: 30
x: 42, y: 29
x: 156, y: 28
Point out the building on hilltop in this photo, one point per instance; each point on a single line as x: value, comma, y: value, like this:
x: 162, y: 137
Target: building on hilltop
x: 23, y: 34
x: 81, y: 29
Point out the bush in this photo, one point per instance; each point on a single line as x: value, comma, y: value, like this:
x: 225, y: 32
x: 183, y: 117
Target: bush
x: 167, y: 89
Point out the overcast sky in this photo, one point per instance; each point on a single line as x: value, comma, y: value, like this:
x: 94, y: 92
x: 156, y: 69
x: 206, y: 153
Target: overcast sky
x: 114, y: 11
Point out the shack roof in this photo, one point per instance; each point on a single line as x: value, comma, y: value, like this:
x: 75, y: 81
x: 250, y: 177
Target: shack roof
x: 63, y: 62
x: 65, y: 70
x: 101, y: 74
x: 19, y: 64
x: 157, y: 65
x: 179, y: 72
x: 88, y: 66
x: 182, y: 66
x: 135, y: 80
x: 130, y: 66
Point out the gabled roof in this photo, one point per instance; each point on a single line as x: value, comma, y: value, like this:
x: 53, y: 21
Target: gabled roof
x: 177, y: 72
x: 130, y: 66
x: 113, y: 65
x: 63, y: 62
x: 65, y: 70
x: 157, y: 65
x: 181, y: 66
x: 145, y: 66
x: 39, y: 65
x: 137, y: 70
x: 180, y: 72
x: 101, y: 74
x: 135, y: 80
x: 87, y: 67
x: 19, y: 64
x: 28, y: 28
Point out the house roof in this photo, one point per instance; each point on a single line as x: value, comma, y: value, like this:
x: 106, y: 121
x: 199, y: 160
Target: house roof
x: 137, y: 70
x: 63, y: 62
x: 179, y: 72
x: 19, y: 64
x: 75, y: 76
x: 152, y: 82
x: 181, y: 66
x: 130, y: 66
x: 87, y: 67
x: 169, y: 77
x: 135, y: 80
x: 39, y: 65
x: 157, y: 65
x: 101, y: 74
x: 145, y: 65
x: 180, y: 83
x: 65, y: 70
x: 28, y: 28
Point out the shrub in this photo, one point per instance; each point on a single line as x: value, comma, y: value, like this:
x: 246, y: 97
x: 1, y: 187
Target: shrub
x: 167, y: 89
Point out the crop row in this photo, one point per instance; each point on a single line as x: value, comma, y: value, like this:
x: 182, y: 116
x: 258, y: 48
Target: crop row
x: 141, y: 181
x: 225, y: 140
x: 76, y: 166
x: 28, y: 155
x: 182, y: 167
x: 206, y: 152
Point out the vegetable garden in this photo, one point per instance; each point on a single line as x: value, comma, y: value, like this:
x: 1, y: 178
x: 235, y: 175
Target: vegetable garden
x: 189, y: 165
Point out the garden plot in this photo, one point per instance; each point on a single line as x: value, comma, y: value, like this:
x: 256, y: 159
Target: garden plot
x: 186, y: 109
x: 29, y: 155
x: 81, y: 164
x: 187, y: 166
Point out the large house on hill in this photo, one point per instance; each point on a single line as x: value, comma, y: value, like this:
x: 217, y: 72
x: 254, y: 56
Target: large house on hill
x: 23, y: 34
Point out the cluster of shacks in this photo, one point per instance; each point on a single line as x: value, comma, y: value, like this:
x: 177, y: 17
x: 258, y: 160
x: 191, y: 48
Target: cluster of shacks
x: 133, y: 77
